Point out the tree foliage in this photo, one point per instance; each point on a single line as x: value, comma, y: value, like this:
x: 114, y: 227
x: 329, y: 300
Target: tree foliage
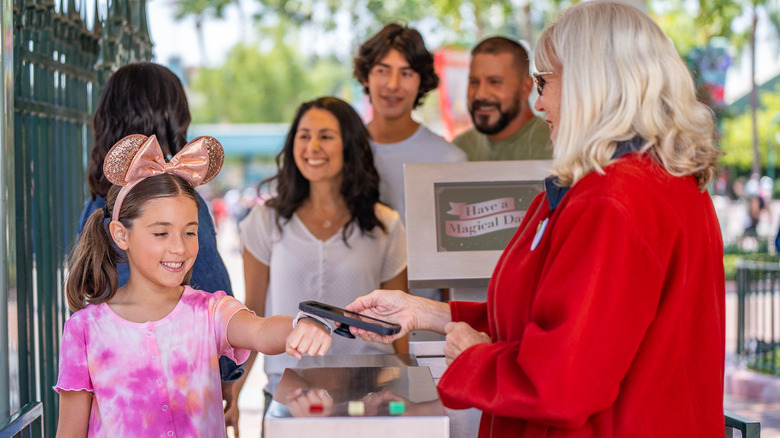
x: 262, y: 87
x: 202, y: 8
x: 748, y: 38
x: 691, y: 27
x: 200, y: 11
x: 267, y: 85
x: 736, y: 141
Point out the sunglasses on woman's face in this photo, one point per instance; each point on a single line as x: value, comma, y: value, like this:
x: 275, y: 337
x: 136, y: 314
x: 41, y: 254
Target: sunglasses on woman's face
x: 540, y: 81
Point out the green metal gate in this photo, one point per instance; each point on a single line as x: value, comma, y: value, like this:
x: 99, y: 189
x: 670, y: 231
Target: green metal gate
x: 61, y: 55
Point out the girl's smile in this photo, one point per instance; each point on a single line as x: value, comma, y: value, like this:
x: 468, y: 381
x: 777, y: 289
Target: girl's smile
x: 162, y: 244
x: 173, y: 266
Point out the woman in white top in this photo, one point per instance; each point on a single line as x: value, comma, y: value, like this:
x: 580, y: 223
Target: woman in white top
x: 324, y: 236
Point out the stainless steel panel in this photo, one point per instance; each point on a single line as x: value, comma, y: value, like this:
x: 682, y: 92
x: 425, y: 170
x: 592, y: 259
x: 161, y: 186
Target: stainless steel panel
x: 437, y: 365
x: 475, y: 294
x: 316, y: 400
x: 358, y: 360
x: 426, y: 343
x: 464, y: 423
x: 374, y: 427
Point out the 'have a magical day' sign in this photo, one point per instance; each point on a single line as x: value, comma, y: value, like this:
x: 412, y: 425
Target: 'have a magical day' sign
x: 461, y: 216
x: 480, y: 216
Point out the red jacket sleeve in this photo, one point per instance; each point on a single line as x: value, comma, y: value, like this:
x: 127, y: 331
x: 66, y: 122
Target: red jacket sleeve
x: 597, y: 292
x: 473, y: 313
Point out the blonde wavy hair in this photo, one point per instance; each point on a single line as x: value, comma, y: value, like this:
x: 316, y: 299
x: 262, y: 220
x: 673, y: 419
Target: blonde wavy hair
x: 621, y: 77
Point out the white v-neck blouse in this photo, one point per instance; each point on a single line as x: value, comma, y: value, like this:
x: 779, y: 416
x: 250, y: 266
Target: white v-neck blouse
x: 303, y: 267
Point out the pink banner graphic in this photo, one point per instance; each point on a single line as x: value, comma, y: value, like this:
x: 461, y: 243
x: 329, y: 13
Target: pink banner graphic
x: 477, y: 227
x: 480, y: 209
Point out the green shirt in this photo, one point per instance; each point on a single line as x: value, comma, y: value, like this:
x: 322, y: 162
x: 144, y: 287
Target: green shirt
x: 531, y: 142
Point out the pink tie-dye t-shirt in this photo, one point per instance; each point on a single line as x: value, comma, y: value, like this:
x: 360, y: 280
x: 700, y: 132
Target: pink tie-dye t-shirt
x: 153, y: 379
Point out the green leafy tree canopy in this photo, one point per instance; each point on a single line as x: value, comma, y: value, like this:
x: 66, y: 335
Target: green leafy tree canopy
x: 736, y: 140
x: 262, y: 87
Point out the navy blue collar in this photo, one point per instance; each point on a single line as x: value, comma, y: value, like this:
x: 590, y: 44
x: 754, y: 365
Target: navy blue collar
x: 555, y: 192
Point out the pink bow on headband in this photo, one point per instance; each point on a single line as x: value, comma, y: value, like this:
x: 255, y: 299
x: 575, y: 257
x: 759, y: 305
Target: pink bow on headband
x: 193, y: 163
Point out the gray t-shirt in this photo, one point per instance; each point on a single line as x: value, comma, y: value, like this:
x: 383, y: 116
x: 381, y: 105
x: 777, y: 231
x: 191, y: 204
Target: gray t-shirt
x: 531, y: 142
x: 422, y: 147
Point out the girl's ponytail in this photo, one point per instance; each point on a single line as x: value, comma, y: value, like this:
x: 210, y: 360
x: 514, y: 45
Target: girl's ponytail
x: 93, y: 276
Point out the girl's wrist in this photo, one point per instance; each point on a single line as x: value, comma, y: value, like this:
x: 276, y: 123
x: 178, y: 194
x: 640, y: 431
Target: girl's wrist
x: 303, y: 315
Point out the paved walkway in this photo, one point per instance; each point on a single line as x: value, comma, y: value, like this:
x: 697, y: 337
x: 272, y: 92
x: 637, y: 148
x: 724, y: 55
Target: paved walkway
x: 768, y: 414
x: 748, y: 393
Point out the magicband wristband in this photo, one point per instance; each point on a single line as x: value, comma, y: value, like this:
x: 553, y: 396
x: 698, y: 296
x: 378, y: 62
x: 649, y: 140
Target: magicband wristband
x: 319, y: 319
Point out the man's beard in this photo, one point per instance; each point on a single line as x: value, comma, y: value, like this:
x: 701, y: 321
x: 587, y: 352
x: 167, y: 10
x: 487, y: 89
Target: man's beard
x: 504, y: 119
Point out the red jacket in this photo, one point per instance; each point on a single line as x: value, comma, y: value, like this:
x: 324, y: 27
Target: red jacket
x: 613, y: 326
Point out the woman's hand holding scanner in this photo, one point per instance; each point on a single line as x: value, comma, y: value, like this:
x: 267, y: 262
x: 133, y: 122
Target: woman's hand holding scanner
x: 460, y: 336
x: 410, y: 312
x: 308, y: 336
x: 391, y: 306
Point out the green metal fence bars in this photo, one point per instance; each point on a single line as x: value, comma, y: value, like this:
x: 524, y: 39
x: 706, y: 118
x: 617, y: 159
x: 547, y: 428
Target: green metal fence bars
x: 27, y: 422
x: 748, y: 428
x: 63, y: 52
x: 758, y: 315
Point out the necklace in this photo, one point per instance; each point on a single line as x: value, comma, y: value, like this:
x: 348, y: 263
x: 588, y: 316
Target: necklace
x: 329, y: 222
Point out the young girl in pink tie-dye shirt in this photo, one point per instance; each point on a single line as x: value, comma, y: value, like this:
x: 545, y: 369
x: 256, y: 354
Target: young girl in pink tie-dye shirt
x: 143, y: 360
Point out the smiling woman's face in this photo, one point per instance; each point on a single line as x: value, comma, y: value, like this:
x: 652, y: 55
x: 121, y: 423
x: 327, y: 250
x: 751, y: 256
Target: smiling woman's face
x: 318, y: 148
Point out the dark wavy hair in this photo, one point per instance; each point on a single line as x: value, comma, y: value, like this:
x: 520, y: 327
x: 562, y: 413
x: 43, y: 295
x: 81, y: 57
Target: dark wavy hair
x: 140, y: 98
x: 360, y: 183
x: 406, y: 41
x: 92, y: 278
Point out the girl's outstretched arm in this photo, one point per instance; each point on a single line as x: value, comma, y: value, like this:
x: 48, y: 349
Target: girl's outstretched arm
x: 74, y: 414
x: 275, y: 335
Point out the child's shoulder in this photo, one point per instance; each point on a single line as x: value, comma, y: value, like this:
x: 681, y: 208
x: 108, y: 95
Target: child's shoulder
x: 86, y: 319
x: 211, y: 302
x: 195, y: 296
x: 90, y: 311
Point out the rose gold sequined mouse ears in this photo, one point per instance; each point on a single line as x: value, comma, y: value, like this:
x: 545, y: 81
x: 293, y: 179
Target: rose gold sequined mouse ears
x: 137, y: 157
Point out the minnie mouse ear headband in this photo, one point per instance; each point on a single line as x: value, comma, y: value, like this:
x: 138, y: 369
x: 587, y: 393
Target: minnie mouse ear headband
x: 137, y: 157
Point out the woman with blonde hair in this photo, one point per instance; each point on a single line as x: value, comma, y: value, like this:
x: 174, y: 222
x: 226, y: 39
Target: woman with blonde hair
x: 605, y: 314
